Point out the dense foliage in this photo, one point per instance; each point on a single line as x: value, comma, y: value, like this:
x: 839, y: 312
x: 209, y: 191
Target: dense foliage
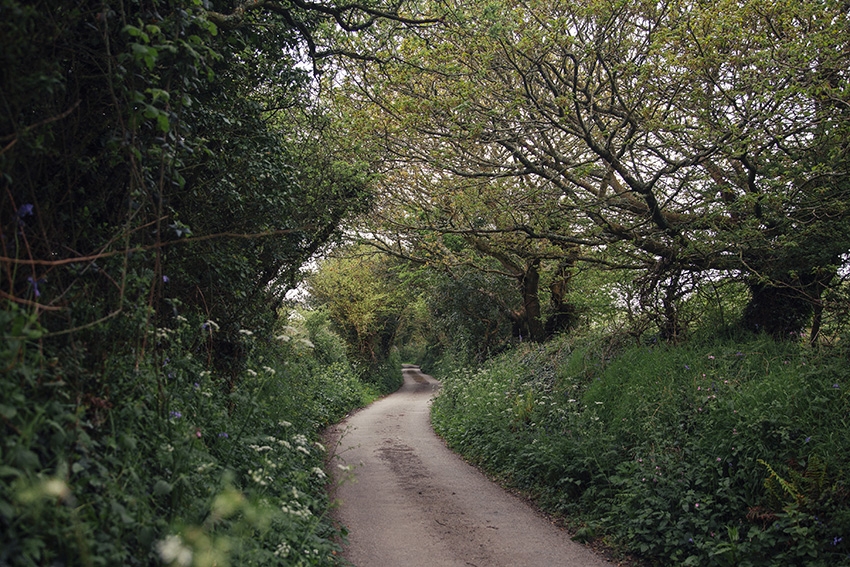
x: 684, y: 142
x: 642, y: 170
x: 721, y: 452
x: 165, y: 172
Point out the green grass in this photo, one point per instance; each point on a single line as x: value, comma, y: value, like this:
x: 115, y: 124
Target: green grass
x: 711, y: 453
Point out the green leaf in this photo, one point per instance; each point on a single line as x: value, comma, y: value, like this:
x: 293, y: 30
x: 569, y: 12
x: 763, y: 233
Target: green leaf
x: 161, y: 488
x: 163, y: 122
x: 7, y: 411
x: 6, y: 471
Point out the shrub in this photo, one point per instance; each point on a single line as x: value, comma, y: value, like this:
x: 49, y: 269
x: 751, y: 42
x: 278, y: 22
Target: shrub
x: 729, y: 452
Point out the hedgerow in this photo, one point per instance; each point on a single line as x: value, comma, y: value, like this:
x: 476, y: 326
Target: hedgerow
x: 712, y: 453
x: 167, y: 466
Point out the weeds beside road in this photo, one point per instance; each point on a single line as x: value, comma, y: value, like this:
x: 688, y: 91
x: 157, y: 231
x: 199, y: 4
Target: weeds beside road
x: 710, y: 454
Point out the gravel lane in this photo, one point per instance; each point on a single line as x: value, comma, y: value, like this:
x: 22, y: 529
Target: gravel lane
x: 408, y: 501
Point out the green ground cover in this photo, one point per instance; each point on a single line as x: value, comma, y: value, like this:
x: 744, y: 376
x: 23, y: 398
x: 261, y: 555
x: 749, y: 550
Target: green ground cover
x: 171, y: 463
x: 719, y: 452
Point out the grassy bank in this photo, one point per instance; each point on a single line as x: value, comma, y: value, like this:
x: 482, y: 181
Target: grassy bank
x: 713, y: 453
x: 172, y: 463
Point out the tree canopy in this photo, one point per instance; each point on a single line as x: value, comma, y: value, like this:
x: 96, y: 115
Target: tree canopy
x: 677, y: 139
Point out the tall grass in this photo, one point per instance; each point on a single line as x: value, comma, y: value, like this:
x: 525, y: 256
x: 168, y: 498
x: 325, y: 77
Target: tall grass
x: 727, y: 452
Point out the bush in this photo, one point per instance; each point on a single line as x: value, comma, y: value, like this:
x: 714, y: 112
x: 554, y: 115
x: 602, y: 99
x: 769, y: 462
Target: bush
x: 172, y: 463
x: 713, y: 453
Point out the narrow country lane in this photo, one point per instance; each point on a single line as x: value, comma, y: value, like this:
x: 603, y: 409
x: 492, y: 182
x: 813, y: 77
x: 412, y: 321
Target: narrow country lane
x: 410, y: 502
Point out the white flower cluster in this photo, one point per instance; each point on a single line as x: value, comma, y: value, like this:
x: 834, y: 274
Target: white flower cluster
x: 173, y: 550
x: 297, y: 509
x: 260, y: 477
x: 163, y: 332
x: 301, y: 443
x: 282, y: 550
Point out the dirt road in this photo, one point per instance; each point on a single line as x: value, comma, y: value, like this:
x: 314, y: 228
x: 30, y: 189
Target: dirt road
x: 410, y: 502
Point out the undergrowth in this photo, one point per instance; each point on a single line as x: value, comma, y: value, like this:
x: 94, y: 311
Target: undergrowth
x: 170, y: 462
x: 714, y: 453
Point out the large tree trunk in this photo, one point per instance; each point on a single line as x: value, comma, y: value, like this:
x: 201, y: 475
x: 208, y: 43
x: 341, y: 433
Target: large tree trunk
x: 530, y: 285
x: 563, y: 313
x: 782, y: 309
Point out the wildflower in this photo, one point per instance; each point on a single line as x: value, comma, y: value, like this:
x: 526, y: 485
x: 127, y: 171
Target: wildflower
x: 284, y: 423
x: 836, y: 540
x: 303, y: 449
x: 165, y: 279
x: 807, y: 439
x: 711, y: 357
x: 319, y: 473
x: 696, y: 505
x: 198, y: 433
x: 251, y: 372
x: 210, y: 325
x: 175, y: 414
x: 25, y: 210
x: 282, y: 550
x: 268, y: 369
x: 719, y: 459
x: 56, y: 487
x: 257, y: 476
x: 223, y: 435
x: 687, y: 367
x: 246, y: 332
x: 836, y: 386
x: 35, y: 283
x: 173, y: 550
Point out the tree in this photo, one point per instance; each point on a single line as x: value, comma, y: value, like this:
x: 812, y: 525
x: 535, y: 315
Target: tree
x: 362, y: 297
x: 162, y: 180
x: 690, y: 139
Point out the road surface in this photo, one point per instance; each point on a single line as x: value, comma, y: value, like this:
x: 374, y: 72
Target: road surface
x: 408, y: 501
